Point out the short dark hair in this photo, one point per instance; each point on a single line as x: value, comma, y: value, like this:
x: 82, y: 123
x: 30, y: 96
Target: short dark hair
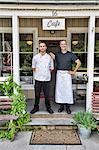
x: 43, y: 43
x: 62, y: 41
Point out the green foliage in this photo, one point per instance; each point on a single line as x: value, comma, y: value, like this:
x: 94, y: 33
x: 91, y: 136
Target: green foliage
x: 97, y: 46
x: 18, y: 108
x: 96, y: 84
x: 86, y: 119
x: 80, y: 47
x: 25, y: 47
x: 23, y: 119
x: 25, y: 58
x: 18, y: 105
x: 10, y: 132
x: 8, y: 86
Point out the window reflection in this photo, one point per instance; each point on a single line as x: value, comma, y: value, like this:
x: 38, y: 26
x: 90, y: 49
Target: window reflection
x: 26, y: 42
x: 78, y: 42
x: 97, y: 42
x: 26, y: 64
x: 83, y: 59
x: 79, y: 47
x: 0, y: 53
x: 96, y: 63
x: 6, y: 54
x: 26, y: 55
x: 96, y: 55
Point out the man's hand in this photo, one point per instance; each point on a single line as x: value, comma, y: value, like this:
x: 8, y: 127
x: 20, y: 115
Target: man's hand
x: 52, y: 55
x: 78, y: 64
x: 72, y: 72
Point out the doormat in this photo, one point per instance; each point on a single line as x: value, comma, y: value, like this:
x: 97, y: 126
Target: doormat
x: 55, y: 137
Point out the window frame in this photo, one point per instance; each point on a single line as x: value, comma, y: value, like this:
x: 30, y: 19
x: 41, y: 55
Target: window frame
x: 71, y: 30
x: 30, y: 30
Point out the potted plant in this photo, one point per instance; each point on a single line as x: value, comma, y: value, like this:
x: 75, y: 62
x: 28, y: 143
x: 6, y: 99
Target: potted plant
x: 85, y: 122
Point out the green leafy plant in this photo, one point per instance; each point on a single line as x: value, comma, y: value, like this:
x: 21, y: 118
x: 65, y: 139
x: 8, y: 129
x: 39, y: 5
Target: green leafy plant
x: 85, y: 119
x: 18, y: 108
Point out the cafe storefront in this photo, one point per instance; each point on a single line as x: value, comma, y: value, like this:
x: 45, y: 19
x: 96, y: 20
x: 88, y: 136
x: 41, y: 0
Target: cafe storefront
x: 23, y: 24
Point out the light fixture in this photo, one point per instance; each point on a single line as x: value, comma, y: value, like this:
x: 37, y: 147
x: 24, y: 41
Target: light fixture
x: 52, y: 31
x: 29, y: 42
x: 74, y: 42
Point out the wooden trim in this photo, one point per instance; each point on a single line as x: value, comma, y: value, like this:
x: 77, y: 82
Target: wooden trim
x: 52, y: 38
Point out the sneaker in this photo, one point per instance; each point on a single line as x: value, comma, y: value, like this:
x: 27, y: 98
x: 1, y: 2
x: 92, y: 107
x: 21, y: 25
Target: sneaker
x: 34, y: 110
x: 50, y: 110
x: 61, y: 108
x: 68, y: 110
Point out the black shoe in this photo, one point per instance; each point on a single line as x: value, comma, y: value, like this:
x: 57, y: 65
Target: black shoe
x: 68, y: 110
x: 34, y: 110
x: 61, y: 108
x: 50, y: 110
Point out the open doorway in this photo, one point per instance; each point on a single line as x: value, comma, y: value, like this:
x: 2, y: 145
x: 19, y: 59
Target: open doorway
x: 52, y: 46
x: 79, y: 89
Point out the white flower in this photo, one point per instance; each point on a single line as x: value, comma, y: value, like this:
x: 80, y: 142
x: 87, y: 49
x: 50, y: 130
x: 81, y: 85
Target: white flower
x: 7, y: 82
x: 24, y: 111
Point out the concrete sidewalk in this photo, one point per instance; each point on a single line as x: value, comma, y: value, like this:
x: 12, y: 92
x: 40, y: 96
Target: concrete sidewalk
x: 23, y: 138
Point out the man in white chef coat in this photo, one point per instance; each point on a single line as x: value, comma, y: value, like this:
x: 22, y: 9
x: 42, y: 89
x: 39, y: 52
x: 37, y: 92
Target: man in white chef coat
x: 42, y: 65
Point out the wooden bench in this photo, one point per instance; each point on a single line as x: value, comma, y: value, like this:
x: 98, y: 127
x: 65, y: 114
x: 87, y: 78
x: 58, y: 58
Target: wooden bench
x: 95, y: 104
x: 5, y: 104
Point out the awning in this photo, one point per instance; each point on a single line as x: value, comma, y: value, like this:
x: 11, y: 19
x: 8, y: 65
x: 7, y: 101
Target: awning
x: 51, y: 1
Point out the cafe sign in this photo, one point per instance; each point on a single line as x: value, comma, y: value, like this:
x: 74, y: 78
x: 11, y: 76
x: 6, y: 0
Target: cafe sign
x: 53, y: 24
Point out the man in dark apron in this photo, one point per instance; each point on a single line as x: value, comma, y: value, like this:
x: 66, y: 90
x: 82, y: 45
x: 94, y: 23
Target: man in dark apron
x: 64, y: 60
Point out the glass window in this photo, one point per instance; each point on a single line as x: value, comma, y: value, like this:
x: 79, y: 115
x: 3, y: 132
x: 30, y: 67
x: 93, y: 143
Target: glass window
x: 83, y: 59
x: 79, y: 47
x: 0, y: 53
x: 26, y: 55
x: 78, y: 42
x: 26, y: 43
x: 8, y: 42
x: 96, y: 86
x: 96, y: 55
x: 0, y: 42
x: 6, y: 54
x: 96, y: 64
x: 97, y: 42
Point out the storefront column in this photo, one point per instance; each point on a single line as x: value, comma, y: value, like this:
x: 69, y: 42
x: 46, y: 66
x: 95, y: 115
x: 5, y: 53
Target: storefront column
x: 15, y: 32
x: 90, y: 61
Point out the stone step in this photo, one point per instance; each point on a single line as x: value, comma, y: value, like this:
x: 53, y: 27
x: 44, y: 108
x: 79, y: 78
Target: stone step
x: 44, y: 115
x: 52, y: 127
x: 51, y: 119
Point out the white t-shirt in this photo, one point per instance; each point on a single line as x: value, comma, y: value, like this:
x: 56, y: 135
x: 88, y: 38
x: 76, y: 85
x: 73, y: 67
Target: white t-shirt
x: 43, y: 64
